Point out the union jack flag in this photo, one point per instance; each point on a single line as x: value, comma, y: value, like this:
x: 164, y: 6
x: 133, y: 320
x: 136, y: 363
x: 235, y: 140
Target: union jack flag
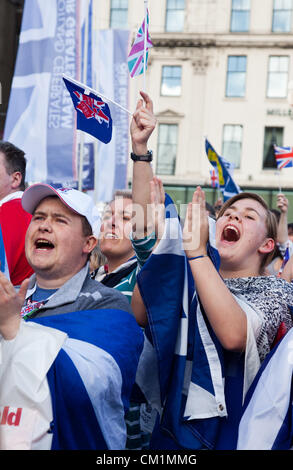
x: 136, y: 54
x: 284, y: 157
x: 93, y: 114
x: 214, y: 178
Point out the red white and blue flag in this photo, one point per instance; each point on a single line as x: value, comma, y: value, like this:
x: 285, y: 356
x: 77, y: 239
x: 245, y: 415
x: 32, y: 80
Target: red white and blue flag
x: 136, y: 54
x: 214, y: 178
x: 284, y: 157
x: 93, y: 114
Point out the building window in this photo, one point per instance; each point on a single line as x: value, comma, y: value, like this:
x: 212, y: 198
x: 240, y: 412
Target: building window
x: 175, y: 15
x: 273, y: 136
x: 282, y: 15
x: 278, y: 77
x: 167, y: 149
x: 171, y: 80
x: 240, y: 15
x: 119, y: 14
x: 236, y: 73
x: 232, y: 144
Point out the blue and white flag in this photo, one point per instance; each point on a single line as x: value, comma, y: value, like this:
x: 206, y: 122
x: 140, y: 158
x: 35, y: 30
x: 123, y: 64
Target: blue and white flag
x: 266, y: 423
x: 68, y: 381
x: 3, y: 260
x: 227, y: 184
x: 180, y: 371
x: 91, y: 378
x: 93, y: 113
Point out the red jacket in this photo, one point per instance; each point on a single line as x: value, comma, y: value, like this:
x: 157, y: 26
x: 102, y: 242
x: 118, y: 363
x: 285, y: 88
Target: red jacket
x: 14, y: 221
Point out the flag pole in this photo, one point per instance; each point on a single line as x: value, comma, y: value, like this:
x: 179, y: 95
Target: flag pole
x: 91, y: 90
x: 145, y: 44
x: 95, y: 143
x: 84, y: 75
x: 279, y: 174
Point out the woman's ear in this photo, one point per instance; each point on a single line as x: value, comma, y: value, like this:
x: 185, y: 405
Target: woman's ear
x: 267, y: 246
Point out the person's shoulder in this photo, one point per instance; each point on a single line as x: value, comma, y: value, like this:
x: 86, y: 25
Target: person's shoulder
x: 14, y: 207
x: 108, y: 296
x: 281, y: 284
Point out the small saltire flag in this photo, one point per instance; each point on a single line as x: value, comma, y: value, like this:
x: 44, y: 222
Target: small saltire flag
x: 93, y: 114
x: 136, y: 54
x: 286, y: 258
x: 284, y: 156
x: 214, y: 178
x: 228, y: 186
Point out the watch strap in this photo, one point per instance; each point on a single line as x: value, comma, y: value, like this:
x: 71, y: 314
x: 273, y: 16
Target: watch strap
x: 142, y: 158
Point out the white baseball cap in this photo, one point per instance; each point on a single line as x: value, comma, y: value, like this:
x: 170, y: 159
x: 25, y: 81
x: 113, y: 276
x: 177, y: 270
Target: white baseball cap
x: 79, y: 202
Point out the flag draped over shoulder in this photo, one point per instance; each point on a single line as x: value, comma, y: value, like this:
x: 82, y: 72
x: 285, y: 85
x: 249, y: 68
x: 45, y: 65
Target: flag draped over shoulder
x: 93, y: 114
x: 181, y: 369
x: 227, y: 185
x: 284, y: 157
x: 100, y: 358
x: 266, y: 423
x: 78, y: 384
x: 136, y: 54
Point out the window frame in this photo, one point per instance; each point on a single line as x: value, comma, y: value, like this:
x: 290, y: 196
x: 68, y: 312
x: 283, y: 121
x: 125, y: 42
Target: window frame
x: 170, y: 77
x: 237, y: 165
x: 228, y: 75
x: 237, y: 11
x: 275, y: 13
x: 269, y: 72
x: 115, y: 9
x: 269, y: 148
x: 170, y: 10
x: 159, y: 143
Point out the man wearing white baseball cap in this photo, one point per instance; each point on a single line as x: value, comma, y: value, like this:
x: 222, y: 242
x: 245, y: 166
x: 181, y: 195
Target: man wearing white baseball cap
x: 74, y: 359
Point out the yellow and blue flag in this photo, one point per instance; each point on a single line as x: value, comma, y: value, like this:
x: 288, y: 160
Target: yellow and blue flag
x: 227, y: 185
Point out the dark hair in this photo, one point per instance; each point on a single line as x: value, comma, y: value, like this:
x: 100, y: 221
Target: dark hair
x: 290, y: 227
x: 271, y: 222
x: 86, y: 227
x: 14, y: 160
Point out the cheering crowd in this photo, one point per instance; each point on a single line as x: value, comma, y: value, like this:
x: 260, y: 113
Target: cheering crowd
x: 142, y: 332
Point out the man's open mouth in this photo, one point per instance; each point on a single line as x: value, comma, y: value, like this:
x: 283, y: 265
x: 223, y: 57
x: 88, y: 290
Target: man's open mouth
x: 42, y: 244
x: 230, y: 234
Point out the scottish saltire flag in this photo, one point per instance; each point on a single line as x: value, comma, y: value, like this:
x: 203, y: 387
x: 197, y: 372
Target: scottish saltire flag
x: 286, y: 258
x: 136, y: 54
x: 93, y: 113
x: 74, y: 394
x: 3, y: 260
x: 181, y: 367
x: 214, y: 178
x: 266, y: 423
x: 227, y: 184
x: 284, y: 156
